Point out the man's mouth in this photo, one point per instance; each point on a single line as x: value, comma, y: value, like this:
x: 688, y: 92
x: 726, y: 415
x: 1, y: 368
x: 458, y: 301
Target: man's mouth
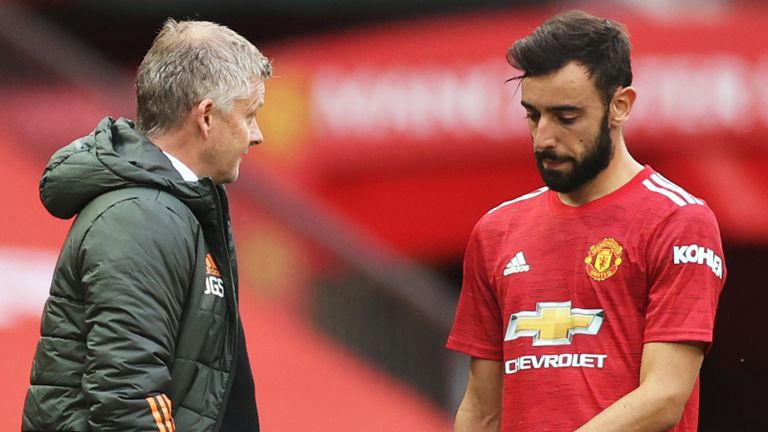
x: 554, y: 162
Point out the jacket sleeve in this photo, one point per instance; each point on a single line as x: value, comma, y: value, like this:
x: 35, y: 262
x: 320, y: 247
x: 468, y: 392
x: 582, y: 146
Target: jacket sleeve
x: 136, y: 262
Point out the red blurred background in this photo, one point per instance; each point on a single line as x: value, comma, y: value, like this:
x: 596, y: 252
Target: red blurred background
x: 384, y: 144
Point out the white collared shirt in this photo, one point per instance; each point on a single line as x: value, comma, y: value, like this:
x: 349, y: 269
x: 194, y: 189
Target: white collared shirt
x: 182, y: 169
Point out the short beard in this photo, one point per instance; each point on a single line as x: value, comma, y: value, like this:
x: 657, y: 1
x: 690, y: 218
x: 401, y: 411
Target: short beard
x: 594, y: 161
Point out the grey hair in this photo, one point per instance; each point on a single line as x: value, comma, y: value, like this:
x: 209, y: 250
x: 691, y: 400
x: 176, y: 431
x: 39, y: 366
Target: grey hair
x: 191, y: 61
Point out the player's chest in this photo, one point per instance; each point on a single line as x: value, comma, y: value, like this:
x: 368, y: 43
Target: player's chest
x: 589, y: 268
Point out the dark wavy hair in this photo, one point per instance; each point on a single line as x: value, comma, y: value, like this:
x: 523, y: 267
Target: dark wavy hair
x: 601, y: 45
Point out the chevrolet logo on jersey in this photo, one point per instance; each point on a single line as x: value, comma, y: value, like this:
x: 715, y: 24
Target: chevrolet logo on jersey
x: 554, y: 323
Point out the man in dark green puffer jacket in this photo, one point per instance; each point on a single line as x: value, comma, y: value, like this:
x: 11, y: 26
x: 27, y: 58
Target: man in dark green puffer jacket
x: 141, y: 331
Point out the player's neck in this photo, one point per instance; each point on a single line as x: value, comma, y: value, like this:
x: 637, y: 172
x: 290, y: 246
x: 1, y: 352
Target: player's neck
x: 622, y: 168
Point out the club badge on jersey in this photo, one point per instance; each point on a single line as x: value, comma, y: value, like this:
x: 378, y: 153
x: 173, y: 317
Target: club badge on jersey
x: 604, y: 259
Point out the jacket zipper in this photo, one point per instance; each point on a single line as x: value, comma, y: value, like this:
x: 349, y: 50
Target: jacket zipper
x: 235, y: 312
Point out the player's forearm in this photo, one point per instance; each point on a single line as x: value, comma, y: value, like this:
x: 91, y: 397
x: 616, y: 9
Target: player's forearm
x: 476, y: 422
x: 644, y: 409
x: 480, y: 409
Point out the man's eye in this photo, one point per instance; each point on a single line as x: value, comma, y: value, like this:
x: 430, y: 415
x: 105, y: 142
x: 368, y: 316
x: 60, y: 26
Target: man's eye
x: 567, y: 120
x: 532, y: 116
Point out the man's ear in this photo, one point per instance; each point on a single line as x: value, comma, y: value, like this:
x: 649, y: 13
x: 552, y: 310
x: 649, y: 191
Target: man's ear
x: 621, y: 105
x: 202, y: 113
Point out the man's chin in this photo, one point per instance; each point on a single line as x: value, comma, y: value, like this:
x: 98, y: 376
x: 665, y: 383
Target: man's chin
x: 554, y: 175
x: 226, y: 178
x: 557, y: 181
x: 230, y: 179
x: 232, y: 175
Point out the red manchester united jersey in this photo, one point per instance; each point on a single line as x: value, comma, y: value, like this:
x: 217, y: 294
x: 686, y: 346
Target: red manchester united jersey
x: 566, y: 296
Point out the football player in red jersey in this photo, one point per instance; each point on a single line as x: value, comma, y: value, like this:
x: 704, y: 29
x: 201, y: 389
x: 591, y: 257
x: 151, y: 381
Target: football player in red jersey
x: 588, y: 304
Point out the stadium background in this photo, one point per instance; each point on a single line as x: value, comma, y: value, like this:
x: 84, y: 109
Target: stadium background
x: 389, y: 131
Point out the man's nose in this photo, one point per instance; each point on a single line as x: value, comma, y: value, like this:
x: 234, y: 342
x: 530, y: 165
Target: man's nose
x: 545, y: 134
x: 255, y: 136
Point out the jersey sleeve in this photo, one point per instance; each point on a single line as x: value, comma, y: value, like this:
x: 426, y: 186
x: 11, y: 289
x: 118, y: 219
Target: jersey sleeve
x: 686, y: 275
x: 477, y: 327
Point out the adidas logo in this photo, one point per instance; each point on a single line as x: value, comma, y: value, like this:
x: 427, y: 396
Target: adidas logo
x: 517, y: 265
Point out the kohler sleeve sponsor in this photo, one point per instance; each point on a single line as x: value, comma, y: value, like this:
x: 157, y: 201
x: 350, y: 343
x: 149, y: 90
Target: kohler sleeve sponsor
x: 695, y: 254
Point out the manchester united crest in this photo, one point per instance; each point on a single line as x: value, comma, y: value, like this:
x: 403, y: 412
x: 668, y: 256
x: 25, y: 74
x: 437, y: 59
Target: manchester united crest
x: 604, y: 259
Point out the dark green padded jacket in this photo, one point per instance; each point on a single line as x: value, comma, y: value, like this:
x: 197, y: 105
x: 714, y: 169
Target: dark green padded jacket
x: 141, y: 327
